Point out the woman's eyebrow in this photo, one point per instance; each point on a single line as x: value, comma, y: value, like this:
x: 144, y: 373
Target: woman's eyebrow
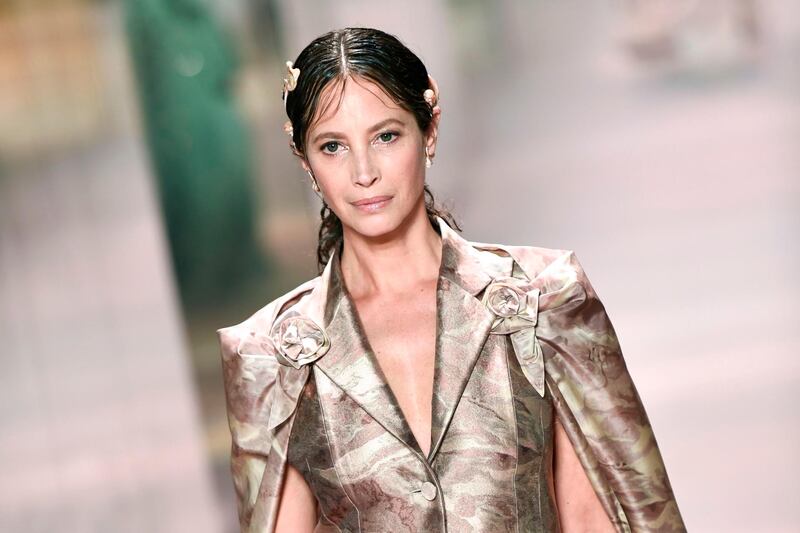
x: 375, y: 127
x: 386, y: 122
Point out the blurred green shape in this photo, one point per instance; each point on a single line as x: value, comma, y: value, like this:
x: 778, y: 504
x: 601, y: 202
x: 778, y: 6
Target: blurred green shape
x: 199, y: 146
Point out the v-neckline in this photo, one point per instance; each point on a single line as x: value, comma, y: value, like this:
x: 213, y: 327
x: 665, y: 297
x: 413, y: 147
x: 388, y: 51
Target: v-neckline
x: 463, y: 324
x: 370, y: 352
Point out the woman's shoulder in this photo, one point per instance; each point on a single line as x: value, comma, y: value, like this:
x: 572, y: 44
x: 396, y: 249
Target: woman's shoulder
x: 552, y: 268
x: 263, y: 318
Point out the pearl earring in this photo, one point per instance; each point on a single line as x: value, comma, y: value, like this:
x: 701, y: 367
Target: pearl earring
x: 313, y: 181
x: 314, y: 184
x: 428, y: 160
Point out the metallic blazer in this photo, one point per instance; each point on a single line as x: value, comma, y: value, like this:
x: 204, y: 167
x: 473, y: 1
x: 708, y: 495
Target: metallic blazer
x: 521, y: 338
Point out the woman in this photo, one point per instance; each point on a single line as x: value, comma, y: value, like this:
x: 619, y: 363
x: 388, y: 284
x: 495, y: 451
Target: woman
x: 424, y: 382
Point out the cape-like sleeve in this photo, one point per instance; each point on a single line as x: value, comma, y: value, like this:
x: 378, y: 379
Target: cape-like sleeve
x: 261, y: 396
x: 598, y: 405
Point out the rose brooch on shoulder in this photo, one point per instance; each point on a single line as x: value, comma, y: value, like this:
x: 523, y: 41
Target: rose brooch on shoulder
x: 515, y: 305
x: 298, y: 341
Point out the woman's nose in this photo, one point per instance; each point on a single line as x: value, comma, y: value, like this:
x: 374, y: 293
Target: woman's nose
x: 365, y: 171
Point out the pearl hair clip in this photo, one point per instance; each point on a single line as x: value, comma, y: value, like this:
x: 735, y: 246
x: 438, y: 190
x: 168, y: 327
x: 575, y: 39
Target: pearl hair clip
x: 290, y: 81
x: 289, y: 84
x: 430, y: 97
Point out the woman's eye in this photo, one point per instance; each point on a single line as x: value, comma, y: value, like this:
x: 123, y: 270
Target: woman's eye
x: 387, y: 136
x: 330, y: 147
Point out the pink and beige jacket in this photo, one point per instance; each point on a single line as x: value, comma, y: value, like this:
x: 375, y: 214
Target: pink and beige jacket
x: 522, y: 338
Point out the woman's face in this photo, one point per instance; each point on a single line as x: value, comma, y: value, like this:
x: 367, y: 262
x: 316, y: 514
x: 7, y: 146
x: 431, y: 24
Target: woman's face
x: 368, y: 148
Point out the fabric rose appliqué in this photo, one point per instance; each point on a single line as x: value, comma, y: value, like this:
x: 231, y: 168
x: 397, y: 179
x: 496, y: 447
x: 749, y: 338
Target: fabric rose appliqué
x: 515, y: 305
x: 299, y: 341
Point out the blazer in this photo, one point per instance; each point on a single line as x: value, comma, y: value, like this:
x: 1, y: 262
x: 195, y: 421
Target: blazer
x: 522, y: 338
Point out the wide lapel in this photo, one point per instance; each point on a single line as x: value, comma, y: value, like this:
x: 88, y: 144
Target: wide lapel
x: 351, y: 363
x: 463, y: 323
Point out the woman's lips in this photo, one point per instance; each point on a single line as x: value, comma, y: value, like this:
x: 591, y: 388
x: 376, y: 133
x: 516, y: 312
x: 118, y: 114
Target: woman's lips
x: 370, y: 205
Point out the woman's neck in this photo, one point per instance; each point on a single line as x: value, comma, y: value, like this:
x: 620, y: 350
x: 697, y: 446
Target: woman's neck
x: 391, y: 266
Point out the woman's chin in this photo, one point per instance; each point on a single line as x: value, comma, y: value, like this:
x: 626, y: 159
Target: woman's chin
x: 375, y: 225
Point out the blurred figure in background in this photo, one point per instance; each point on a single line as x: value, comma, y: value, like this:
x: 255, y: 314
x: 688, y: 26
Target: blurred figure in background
x: 199, y: 147
x: 691, y: 37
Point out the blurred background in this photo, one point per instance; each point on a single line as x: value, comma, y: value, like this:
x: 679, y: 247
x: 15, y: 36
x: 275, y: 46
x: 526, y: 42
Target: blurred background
x: 148, y: 197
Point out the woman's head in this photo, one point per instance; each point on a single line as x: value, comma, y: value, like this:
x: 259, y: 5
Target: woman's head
x: 362, y: 127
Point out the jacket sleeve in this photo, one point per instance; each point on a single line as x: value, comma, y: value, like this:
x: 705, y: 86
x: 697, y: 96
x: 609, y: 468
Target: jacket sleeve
x: 598, y: 405
x: 261, y: 396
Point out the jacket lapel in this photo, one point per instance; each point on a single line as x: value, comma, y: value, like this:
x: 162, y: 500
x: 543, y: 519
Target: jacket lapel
x: 351, y: 363
x: 462, y: 327
x: 463, y: 323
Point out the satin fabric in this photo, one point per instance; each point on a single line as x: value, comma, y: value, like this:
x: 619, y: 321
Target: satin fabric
x: 498, y: 385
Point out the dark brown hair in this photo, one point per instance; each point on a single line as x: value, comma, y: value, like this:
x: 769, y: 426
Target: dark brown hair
x: 375, y: 56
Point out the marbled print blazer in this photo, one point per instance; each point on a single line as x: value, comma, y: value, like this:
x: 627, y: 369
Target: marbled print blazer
x: 521, y: 338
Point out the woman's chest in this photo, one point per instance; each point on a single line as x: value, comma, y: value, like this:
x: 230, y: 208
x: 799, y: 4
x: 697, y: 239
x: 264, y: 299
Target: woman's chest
x: 401, y: 330
x: 402, y: 335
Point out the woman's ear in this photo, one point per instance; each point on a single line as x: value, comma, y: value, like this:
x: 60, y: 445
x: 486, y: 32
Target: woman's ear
x: 300, y: 156
x: 433, y: 128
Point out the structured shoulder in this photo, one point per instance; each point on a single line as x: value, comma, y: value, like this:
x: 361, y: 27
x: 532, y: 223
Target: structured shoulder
x: 552, y: 268
x: 530, y: 254
x: 261, y: 392
x: 263, y: 319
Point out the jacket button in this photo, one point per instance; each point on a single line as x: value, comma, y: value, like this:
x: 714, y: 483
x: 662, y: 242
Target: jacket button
x: 428, y: 490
